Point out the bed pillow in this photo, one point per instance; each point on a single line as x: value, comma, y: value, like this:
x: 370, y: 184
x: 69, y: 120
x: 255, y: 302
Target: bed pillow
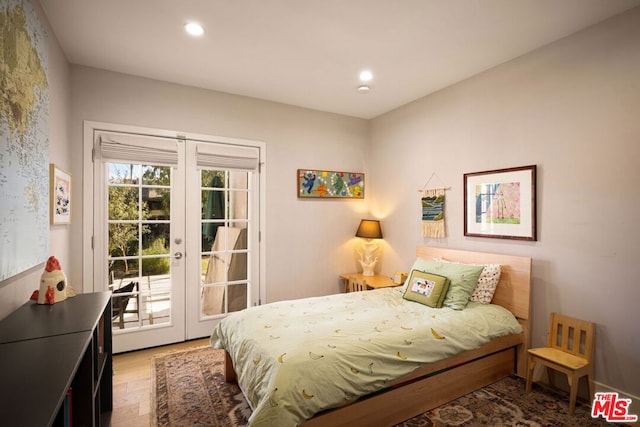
x: 426, y: 288
x: 487, y: 282
x: 419, y: 264
x: 463, y: 277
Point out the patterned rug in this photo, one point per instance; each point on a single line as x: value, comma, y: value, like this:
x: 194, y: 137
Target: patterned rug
x: 189, y: 390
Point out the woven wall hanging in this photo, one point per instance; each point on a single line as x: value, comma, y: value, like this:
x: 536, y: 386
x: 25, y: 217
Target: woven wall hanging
x: 433, y: 199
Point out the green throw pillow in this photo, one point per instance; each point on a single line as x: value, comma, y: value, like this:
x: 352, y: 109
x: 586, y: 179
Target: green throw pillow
x: 425, y: 288
x: 463, y: 277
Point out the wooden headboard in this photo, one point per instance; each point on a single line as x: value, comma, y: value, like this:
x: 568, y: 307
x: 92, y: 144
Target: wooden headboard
x: 513, y: 291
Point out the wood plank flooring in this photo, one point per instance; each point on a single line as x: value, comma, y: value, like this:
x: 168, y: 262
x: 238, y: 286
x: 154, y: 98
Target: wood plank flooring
x: 132, y: 384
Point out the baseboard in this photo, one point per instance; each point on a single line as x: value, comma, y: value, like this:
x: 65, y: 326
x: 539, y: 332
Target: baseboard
x: 634, y: 408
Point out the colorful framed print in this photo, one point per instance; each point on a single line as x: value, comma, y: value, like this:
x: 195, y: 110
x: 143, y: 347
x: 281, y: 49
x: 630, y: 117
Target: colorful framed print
x: 330, y: 184
x: 59, y: 196
x: 501, y: 203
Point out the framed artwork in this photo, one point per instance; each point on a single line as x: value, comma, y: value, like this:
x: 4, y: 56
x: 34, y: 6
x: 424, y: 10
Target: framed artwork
x: 330, y: 184
x: 501, y: 203
x: 59, y: 195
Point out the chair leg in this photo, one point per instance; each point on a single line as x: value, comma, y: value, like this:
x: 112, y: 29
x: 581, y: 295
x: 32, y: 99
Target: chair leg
x: 551, y: 374
x: 531, y: 364
x: 137, y: 306
x: 592, y: 390
x: 573, y: 392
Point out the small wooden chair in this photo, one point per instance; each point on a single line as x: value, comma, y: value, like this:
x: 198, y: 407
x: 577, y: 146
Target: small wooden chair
x: 354, y: 283
x: 569, y: 350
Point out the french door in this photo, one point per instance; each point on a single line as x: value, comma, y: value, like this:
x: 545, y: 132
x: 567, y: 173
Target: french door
x: 176, y: 234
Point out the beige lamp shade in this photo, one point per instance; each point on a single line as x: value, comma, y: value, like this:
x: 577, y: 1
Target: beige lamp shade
x: 369, y: 229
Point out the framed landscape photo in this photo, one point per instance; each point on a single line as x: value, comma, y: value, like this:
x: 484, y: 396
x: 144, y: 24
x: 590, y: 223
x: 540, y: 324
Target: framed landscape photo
x: 501, y: 203
x: 59, y: 195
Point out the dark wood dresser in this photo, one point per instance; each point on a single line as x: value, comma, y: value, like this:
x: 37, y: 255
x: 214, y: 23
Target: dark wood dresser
x: 56, y: 365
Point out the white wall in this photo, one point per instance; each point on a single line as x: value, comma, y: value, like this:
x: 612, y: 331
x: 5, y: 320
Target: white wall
x: 16, y: 290
x: 309, y: 243
x: 572, y: 108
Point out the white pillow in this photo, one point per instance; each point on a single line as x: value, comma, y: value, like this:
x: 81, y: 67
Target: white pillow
x: 487, y: 282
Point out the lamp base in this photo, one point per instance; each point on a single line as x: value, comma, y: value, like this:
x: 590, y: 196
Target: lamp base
x: 367, y: 257
x: 367, y: 268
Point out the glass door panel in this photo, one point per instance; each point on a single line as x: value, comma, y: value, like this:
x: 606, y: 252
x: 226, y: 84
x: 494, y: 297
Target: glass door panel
x: 139, y: 256
x: 225, y: 249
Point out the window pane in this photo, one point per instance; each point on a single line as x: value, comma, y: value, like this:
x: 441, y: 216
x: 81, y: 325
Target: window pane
x: 157, y: 202
x: 238, y: 267
x: 123, y: 240
x: 238, y: 239
x: 204, y: 264
x: 209, y: 233
x: 213, y: 204
x: 237, y: 297
x: 156, y: 175
x: 157, y: 299
x: 122, y: 269
x: 238, y: 204
x: 156, y: 266
x: 123, y: 173
x: 217, y: 268
x: 123, y: 203
x: 212, y: 178
x: 238, y: 180
x: 155, y: 239
x: 213, y: 300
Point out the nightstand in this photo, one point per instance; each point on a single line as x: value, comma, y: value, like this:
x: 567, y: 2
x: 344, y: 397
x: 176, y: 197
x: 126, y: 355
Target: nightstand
x: 357, y: 282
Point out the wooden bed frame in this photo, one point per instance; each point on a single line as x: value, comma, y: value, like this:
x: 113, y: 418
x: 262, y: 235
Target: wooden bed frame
x: 440, y: 382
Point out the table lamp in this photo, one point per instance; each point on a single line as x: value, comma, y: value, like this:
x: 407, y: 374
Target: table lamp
x: 368, y: 229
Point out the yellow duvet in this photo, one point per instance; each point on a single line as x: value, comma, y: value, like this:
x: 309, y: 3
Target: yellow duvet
x: 296, y: 358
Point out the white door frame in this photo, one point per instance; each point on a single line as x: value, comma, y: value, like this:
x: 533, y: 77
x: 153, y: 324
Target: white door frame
x: 92, y: 278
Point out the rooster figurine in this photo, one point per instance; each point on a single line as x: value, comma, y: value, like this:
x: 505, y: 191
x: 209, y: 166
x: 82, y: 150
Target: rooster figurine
x: 53, y: 284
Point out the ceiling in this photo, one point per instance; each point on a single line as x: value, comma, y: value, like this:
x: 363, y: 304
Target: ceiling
x: 309, y: 53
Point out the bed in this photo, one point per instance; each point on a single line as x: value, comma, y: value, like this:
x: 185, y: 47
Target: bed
x: 295, y: 375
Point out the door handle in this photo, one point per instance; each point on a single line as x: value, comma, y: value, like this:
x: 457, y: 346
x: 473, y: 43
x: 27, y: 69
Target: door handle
x: 177, y: 255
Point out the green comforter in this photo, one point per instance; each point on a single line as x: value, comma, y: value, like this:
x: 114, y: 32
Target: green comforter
x: 296, y: 358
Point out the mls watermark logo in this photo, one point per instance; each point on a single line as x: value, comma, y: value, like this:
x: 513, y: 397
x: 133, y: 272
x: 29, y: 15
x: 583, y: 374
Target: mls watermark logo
x: 612, y: 408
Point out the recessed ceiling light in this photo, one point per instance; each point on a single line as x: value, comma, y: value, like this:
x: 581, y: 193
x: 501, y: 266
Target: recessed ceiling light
x: 366, y: 75
x: 194, y: 29
x: 363, y: 88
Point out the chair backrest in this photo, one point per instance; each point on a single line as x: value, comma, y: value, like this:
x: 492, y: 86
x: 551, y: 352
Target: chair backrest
x: 120, y: 302
x: 572, y: 336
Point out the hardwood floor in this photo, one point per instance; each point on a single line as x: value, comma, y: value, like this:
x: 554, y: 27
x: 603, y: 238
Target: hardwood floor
x: 132, y: 384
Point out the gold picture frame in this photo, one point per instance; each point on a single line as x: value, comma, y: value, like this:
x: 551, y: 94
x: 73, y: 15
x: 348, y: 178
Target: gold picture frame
x: 59, y: 195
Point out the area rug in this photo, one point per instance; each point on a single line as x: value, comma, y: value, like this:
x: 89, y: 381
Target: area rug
x: 189, y: 390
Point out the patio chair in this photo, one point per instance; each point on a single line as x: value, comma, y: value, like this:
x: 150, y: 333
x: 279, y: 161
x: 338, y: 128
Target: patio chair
x: 120, y: 303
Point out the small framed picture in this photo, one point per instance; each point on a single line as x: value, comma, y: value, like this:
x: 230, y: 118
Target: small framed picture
x: 59, y: 195
x: 501, y: 203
